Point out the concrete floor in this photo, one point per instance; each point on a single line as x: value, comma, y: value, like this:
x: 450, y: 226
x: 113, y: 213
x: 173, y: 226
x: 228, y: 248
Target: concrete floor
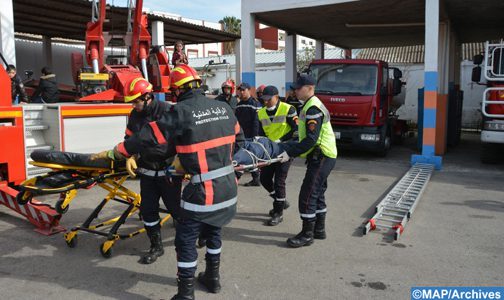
x: 453, y: 238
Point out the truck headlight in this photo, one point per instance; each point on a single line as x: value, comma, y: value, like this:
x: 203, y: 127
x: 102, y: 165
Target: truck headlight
x: 493, y: 125
x: 375, y: 137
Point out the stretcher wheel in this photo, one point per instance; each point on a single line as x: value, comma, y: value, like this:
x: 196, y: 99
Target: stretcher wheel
x: 72, y: 243
x: 23, y: 197
x: 59, y: 208
x: 108, y: 252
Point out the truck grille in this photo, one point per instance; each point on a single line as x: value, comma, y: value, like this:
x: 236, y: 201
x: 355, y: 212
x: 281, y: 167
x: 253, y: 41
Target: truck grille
x: 344, y: 119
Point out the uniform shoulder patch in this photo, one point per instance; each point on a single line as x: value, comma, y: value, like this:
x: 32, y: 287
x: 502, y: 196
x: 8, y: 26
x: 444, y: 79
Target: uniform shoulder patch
x: 312, y: 125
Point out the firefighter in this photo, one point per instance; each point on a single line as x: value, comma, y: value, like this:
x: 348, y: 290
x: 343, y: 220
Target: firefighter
x: 205, y: 132
x: 151, y: 165
x: 317, y: 144
x: 17, y: 86
x: 227, y: 96
x: 278, y: 123
x: 246, y: 113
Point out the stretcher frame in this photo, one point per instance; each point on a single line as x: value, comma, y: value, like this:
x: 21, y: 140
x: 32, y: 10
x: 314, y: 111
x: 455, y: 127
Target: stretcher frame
x: 108, y: 179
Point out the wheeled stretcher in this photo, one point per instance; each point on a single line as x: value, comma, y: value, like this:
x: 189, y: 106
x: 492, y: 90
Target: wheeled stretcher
x: 74, y: 171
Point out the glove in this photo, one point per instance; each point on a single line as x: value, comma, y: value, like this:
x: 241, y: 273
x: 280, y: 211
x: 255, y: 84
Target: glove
x: 108, y: 154
x: 131, y: 166
x: 284, y: 157
x: 177, y: 165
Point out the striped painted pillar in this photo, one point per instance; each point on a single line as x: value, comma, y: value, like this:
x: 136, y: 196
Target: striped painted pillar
x: 248, y: 49
x: 432, y: 99
x: 290, y: 61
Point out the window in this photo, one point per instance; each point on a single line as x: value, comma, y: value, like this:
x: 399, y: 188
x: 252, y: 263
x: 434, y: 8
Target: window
x: 345, y: 79
x: 310, y: 43
x: 303, y: 42
x: 213, y: 53
x: 192, y: 53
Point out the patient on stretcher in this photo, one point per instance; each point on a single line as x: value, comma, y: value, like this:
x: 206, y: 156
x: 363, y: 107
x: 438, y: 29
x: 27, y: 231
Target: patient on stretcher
x: 258, y: 149
x: 72, y: 159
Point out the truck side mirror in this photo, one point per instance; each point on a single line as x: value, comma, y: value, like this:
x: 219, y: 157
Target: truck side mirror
x: 478, y: 59
x: 476, y: 74
x: 396, y: 86
x: 397, y: 73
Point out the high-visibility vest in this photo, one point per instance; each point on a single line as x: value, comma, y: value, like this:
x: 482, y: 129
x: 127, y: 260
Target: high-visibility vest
x: 326, y: 140
x: 278, y: 127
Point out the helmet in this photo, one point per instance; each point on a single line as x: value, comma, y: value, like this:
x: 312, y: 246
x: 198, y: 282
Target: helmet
x: 230, y: 84
x: 183, y: 74
x: 260, y: 89
x: 137, y: 87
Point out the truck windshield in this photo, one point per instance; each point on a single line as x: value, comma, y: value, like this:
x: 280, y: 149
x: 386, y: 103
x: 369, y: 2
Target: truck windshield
x: 345, y: 79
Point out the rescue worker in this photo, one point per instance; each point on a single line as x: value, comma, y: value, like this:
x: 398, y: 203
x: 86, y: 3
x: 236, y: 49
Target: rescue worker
x: 227, y: 96
x: 317, y: 144
x: 246, y: 113
x: 259, y: 93
x: 151, y: 165
x: 278, y: 123
x: 17, y: 86
x: 47, y: 90
x: 205, y: 132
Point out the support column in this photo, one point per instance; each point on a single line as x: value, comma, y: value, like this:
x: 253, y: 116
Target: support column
x: 290, y: 61
x: 7, y: 43
x: 157, y: 33
x: 319, y: 50
x: 47, y: 51
x: 431, y: 82
x: 248, y: 49
x: 238, y: 61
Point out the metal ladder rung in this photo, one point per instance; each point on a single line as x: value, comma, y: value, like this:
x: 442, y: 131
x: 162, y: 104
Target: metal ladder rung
x: 392, y: 215
x: 398, y: 209
x: 387, y: 220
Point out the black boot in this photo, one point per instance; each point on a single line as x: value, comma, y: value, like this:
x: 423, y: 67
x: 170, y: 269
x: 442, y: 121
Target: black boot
x: 305, y: 237
x: 185, y: 289
x: 253, y: 182
x: 277, y: 217
x: 319, y: 232
x: 210, y: 278
x: 272, y: 211
x: 156, y: 249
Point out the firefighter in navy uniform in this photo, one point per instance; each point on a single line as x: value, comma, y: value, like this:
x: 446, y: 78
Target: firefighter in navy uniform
x: 317, y: 144
x: 227, y: 96
x: 278, y: 123
x: 205, y: 132
x: 151, y: 165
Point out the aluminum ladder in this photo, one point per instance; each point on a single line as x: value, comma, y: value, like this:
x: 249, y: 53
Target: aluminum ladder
x: 396, y: 208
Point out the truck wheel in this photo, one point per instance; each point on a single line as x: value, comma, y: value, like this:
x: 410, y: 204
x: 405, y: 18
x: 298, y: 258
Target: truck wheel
x: 489, y: 153
x: 386, y: 144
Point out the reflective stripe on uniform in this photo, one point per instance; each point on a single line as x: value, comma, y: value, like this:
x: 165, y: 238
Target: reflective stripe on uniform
x: 191, y: 264
x: 122, y: 149
x: 151, y: 173
x: 321, y: 211
x: 157, y: 133
x: 206, y: 145
x: 315, y: 116
x: 213, y: 251
x: 151, y: 223
x: 308, y: 216
x: 207, y: 208
x: 221, y: 172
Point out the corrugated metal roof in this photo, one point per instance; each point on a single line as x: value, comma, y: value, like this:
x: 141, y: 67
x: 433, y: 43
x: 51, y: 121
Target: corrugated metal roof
x: 413, y: 54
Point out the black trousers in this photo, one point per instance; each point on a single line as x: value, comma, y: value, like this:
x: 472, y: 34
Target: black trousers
x: 312, y: 194
x: 153, y: 188
x: 273, y: 179
x: 186, y: 235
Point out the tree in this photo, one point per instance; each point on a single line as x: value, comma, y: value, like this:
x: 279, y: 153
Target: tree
x: 304, y: 58
x: 232, y: 25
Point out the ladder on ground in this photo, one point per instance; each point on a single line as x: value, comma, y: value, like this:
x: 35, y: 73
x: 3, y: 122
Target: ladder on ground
x: 396, y: 208
x: 34, y: 136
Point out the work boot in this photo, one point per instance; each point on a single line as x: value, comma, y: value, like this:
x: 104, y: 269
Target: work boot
x: 272, y: 211
x: 305, y: 237
x: 185, y: 289
x: 319, y: 232
x: 253, y: 182
x: 210, y: 278
x: 277, y: 217
x: 156, y: 249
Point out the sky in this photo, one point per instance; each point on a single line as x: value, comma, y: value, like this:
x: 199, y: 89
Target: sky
x: 208, y: 10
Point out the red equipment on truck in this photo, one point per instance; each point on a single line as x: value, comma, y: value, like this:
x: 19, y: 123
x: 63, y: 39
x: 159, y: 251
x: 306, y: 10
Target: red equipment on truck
x: 361, y: 99
x: 107, y: 82
x: 492, y: 106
